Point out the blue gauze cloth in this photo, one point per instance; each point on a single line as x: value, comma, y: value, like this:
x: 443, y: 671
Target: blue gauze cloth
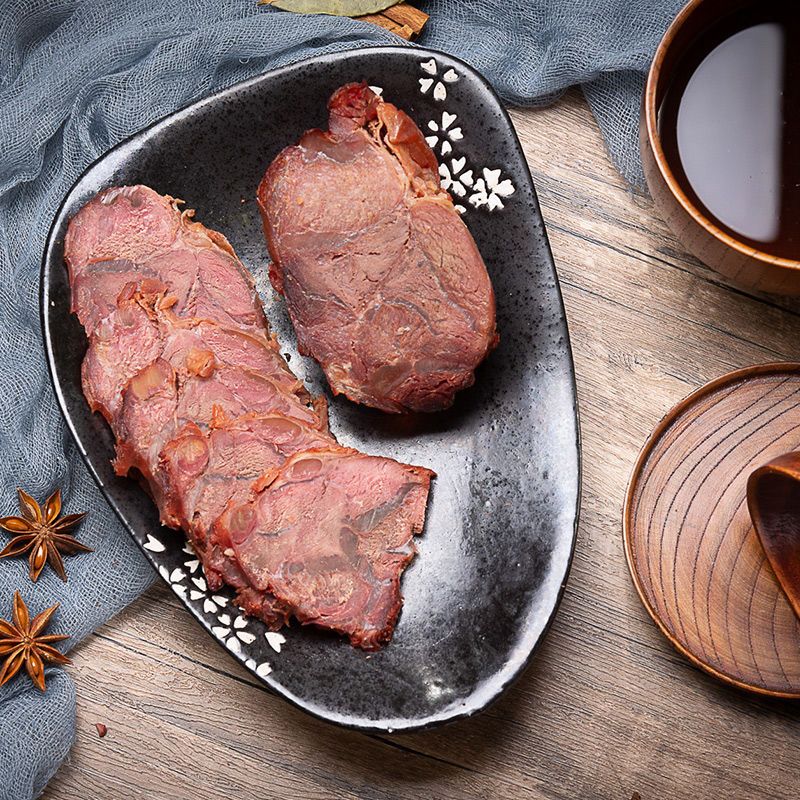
x: 75, y: 79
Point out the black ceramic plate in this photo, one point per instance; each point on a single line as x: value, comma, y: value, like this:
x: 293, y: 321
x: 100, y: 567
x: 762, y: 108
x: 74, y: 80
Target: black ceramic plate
x: 501, y: 522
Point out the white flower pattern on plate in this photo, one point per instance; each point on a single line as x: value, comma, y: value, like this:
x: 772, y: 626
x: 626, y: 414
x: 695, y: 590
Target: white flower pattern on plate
x: 275, y: 640
x: 444, y: 130
x: 262, y: 670
x: 214, y: 603
x: 489, y: 190
x: 233, y: 631
x: 153, y: 545
x: 439, y: 89
x: 455, y: 179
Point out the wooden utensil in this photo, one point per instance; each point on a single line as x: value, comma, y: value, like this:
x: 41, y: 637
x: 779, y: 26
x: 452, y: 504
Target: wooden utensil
x: 773, y: 496
x: 695, y: 559
x: 404, y: 19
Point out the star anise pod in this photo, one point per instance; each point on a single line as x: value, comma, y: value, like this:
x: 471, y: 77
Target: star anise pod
x: 41, y: 532
x: 21, y: 642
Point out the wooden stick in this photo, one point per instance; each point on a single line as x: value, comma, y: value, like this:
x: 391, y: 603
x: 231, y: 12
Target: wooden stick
x: 404, y: 20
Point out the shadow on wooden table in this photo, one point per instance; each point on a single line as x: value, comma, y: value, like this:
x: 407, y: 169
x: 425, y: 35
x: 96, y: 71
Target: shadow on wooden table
x: 470, y: 750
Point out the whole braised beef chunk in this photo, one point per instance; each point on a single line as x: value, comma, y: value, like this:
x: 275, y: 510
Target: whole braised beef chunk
x: 383, y: 281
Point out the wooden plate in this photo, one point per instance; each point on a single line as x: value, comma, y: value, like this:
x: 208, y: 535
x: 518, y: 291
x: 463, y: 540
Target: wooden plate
x: 500, y: 527
x: 694, y: 556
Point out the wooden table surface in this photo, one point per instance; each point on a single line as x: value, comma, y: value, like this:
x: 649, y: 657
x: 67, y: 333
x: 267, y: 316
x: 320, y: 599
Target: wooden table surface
x: 607, y: 707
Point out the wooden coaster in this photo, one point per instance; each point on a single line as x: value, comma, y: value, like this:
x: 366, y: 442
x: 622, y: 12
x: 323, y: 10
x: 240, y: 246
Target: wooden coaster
x: 694, y: 556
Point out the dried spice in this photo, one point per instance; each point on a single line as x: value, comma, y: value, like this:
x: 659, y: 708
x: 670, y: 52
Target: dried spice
x: 102, y: 730
x: 42, y: 533
x: 22, y: 642
x: 339, y: 8
x: 396, y: 16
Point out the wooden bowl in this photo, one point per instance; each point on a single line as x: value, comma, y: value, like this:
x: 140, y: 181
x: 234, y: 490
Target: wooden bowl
x: 694, y: 556
x: 742, y: 264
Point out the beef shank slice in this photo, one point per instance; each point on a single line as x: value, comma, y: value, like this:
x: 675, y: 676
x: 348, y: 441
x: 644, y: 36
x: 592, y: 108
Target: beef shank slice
x: 330, y: 533
x: 383, y: 281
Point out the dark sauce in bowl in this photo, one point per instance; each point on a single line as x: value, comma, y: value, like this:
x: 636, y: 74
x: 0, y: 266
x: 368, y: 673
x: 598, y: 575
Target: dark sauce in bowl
x: 729, y: 125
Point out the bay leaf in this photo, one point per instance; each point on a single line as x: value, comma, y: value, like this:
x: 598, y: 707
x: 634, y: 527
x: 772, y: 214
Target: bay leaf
x: 339, y: 8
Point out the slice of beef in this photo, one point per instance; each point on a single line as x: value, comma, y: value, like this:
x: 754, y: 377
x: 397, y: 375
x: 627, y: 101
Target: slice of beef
x: 234, y: 391
x: 122, y: 344
x: 382, y: 279
x: 237, y: 363
x: 131, y: 234
x: 272, y: 612
x: 329, y: 534
x: 207, y: 469
x: 147, y: 409
x: 164, y: 397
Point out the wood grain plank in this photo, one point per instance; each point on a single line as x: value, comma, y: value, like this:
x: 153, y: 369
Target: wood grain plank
x: 607, y: 707
x: 205, y: 710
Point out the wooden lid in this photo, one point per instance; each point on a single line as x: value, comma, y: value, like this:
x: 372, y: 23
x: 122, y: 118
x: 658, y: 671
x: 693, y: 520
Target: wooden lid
x: 694, y: 556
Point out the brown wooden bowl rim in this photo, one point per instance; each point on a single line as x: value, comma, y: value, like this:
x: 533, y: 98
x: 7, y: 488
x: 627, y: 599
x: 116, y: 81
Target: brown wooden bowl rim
x: 666, y: 421
x: 660, y: 158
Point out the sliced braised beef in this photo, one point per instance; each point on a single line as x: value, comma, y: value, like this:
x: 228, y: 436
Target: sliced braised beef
x: 200, y: 374
x: 131, y: 234
x: 123, y: 343
x: 330, y: 533
x: 214, y: 364
x: 383, y: 281
x: 209, y: 468
x: 206, y: 410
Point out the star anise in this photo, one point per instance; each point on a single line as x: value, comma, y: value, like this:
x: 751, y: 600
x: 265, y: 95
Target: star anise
x: 21, y: 643
x: 40, y: 532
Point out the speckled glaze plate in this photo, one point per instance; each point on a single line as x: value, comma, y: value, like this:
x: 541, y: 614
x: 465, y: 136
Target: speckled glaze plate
x: 500, y: 528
